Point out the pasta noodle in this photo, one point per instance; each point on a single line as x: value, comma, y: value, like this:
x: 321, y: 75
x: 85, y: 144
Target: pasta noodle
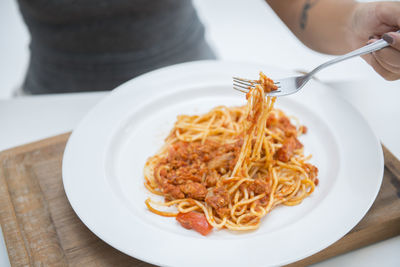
x: 232, y: 164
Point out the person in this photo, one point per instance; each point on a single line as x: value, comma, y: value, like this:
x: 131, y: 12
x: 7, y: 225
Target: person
x: 96, y: 45
x: 339, y: 26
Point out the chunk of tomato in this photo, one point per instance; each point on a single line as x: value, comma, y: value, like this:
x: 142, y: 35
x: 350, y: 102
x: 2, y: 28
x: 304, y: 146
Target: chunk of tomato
x: 196, y: 221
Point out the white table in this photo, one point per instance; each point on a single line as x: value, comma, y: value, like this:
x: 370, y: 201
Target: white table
x: 32, y: 118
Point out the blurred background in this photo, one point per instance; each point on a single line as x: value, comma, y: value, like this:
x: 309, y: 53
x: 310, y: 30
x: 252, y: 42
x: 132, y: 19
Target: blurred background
x: 237, y: 30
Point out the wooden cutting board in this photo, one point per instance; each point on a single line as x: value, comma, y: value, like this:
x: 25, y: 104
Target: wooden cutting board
x: 41, y: 229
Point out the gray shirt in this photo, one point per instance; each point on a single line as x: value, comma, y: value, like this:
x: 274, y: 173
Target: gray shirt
x: 93, y: 45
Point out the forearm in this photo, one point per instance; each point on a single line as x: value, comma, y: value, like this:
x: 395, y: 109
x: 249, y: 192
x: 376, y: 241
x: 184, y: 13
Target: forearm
x: 322, y: 25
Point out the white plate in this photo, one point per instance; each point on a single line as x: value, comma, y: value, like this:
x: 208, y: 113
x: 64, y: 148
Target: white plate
x: 104, y: 159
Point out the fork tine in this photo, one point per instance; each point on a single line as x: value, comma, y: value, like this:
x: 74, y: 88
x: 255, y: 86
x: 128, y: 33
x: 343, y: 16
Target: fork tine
x: 245, y: 80
x: 242, y: 86
x: 244, y: 83
x: 272, y: 93
x: 240, y: 90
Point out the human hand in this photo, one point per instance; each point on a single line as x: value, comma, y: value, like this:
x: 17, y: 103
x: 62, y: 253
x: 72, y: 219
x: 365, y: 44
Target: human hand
x: 373, y: 21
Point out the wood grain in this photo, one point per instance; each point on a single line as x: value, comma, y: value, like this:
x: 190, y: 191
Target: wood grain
x: 41, y: 229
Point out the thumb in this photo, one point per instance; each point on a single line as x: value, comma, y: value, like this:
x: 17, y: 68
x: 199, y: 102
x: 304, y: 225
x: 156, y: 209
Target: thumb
x: 393, y: 38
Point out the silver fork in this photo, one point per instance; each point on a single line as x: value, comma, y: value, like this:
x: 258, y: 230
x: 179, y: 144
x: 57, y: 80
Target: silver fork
x: 291, y: 85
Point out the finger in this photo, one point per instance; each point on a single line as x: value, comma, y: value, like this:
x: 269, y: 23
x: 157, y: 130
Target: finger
x: 388, y: 13
x: 371, y: 40
x: 373, y: 37
x: 393, y: 38
x: 387, y: 75
x: 389, y: 58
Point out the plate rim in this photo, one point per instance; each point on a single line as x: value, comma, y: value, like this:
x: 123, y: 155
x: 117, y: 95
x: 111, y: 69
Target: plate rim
x: 200, y: 64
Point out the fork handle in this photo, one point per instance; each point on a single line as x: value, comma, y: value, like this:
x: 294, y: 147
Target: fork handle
x: 358, y: 52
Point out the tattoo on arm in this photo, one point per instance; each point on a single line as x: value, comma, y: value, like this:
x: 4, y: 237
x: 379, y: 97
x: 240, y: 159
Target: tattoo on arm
x: 304, y: 13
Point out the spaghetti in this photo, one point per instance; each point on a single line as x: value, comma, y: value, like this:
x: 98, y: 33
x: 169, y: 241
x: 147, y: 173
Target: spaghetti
x: 230, y: 167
